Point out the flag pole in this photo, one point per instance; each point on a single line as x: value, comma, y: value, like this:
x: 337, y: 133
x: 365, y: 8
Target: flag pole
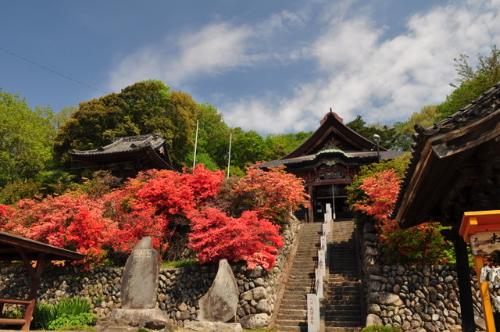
x: 195, y: 144
x: 229, y: 154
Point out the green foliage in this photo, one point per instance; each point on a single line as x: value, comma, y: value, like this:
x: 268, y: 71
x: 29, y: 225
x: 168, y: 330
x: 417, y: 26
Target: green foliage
x: 72, y: 306
x: 43, y: 314
x: 142, y: 108
x: 473, y: 81
x: 73, y: 322
x: 180, y: 263
x: 278, y: 146
x: 26, y: 144
x: 386, y: 133
x: 356, y: 194
x: 421, y: 244
x: 381, y: 328
x: 68, y: 313
x: 404, y: 131
x: 19, y: 189
x: 44, y: 183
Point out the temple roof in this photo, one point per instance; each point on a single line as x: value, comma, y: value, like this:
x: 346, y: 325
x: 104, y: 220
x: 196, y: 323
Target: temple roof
x: 149, y: 149
x: 450, y: 157
x: 124, y: 144
x: 333, y: 133
x: 359, y: 156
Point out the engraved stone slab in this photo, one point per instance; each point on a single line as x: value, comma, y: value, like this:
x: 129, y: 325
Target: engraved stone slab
x: 140, y: 277
x: 220, y: 302
x: 313, y: 323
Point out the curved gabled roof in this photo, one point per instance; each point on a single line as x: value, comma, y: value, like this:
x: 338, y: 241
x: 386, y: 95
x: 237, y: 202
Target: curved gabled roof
x: 332, y: 124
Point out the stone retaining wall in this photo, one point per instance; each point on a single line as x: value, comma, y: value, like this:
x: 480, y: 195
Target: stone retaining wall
x: 414, y: 298
x: 179, y: 289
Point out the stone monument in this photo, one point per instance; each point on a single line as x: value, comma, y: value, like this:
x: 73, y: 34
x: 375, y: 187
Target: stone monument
x: 218, y: 306
x: 138, y: 292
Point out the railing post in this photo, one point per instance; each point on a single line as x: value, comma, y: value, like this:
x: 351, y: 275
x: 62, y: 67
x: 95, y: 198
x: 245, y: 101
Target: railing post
x: 313, y: 318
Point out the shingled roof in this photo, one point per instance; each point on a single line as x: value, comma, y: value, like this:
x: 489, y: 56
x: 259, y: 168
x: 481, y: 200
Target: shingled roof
x: 439, y: 150
x: 124, y: 144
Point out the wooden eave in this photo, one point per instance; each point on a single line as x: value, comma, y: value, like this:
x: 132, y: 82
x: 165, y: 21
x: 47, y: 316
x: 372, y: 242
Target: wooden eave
x: 438, y: 161
x: 332, y: 124
x: 13, y: 247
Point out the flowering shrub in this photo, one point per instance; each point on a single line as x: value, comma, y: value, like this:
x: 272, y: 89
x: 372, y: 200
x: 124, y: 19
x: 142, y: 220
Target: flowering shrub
x: 274, y: 194
x: 165, y: 205
x: 381, y: 192
x: 420, y: 244
x: 215, y: 235
x: 69, y: 221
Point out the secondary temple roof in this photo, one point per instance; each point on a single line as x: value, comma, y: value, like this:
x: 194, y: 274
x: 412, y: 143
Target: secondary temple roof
x: 455, y: 166
x: 147, y: 150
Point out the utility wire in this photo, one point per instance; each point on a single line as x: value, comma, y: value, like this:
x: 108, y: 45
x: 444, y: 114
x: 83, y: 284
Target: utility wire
x: 50, y: 70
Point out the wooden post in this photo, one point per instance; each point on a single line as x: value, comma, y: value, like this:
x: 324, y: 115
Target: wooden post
x: 485, y: 295
x: 464, y: 284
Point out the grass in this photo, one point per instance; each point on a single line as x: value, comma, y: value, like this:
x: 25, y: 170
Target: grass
x: 179, y: 263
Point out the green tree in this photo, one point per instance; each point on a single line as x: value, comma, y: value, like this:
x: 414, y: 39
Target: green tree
x: 472, y: 81
x: 278, y: 146
x: 404, y: 131
x: 386, y: 133
x: 142, y: 108
x: 25, y: 139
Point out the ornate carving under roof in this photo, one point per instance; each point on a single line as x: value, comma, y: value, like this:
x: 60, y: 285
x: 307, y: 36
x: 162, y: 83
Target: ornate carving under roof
x: 452, y: 164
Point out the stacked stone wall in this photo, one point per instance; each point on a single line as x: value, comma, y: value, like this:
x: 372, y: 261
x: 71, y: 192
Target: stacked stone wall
x: 414, y: 298
x: 179, y: 289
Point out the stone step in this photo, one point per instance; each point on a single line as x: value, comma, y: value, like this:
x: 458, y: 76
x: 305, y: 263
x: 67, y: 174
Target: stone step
x: 340, y: 323
x: 283, y: 328
x: 342, y: 329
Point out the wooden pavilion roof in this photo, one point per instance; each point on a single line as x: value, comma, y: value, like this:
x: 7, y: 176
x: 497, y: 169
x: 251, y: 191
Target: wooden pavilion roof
x: 149, y: 147
x: 455, y: 166
x: 11, y: 247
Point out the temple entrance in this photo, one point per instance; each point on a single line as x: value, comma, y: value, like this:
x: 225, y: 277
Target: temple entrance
x: 334, y: 195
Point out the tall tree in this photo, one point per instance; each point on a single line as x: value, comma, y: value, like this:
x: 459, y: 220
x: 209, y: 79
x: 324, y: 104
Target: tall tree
x: 472, y: 80
x: 25, y: 139
x: 404, y: 130
x: 386, y: 133
x: 142, y: 108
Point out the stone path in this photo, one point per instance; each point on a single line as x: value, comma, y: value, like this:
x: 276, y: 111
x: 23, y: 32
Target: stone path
x: 293, y: 308
x: 343, y: 297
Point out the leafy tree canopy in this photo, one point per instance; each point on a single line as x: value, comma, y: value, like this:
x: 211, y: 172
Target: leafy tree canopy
x: 25, y: 139
x: 142, y: 108
x: 472, y: 81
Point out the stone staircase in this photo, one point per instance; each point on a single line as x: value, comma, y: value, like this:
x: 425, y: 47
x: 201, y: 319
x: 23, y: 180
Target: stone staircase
x: 342, y: 301
x: 293, y: 308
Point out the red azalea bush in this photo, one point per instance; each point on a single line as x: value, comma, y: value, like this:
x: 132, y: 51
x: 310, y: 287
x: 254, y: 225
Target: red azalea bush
x: 74, y: 222
x: 420, y: 244
x: 163, y: 204
x: 274, y: 194
x: 215, y: 236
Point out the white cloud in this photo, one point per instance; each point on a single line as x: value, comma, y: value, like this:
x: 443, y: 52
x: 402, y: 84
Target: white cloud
x: 383, y: 79
x: 214, y: 48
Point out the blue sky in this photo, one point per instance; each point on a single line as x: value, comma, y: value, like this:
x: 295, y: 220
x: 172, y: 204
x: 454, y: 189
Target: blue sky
x: 272, y: 66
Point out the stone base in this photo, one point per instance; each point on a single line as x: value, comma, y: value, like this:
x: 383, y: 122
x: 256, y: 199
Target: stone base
x: 153, y: 319
x: 206, y: 326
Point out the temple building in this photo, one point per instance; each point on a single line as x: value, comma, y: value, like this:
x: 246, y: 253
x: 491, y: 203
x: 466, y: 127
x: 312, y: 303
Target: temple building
x: 125, y: 156
x: 328, y: 162
x: 454, y: 169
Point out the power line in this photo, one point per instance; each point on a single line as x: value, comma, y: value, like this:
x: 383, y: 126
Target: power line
x: 50, y: 70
